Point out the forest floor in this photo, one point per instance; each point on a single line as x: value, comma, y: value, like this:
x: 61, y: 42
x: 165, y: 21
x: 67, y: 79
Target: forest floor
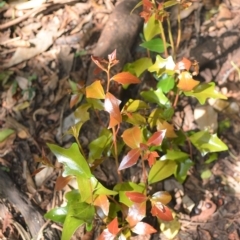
x: 43, y: 44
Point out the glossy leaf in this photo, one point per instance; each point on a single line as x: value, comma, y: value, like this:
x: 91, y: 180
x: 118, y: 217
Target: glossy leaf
x: 152, y: 158
x: 81, y: 114
x: 174, y: 155
x: 204, y: 91
x: 136, y: 197
x: 166, y: 84
x: 142, y: 228
x: 57, y: 214
x: 5, y: 133
x: 182, y: 169
x: 170, y: 229
x: 170, y: 133
x: 111, y: 105
x: 134, y: 105
x: 157, y: 138
x: 122, y: 188
x: 130, y: 159
x: 61, y: 182
x: 156, y: 96
x: 154, y: 45
x: 135, y: 119
x: 96, y: 147
x: 162, y: 196
x: 161, y: 211
x: 132, y: 137
x: 75, y: 99
x: 102, y: 202
x: 186, y: 82
x: 73, y: 161
x: 136, y: 212
x: 96, y: 104
x: 206, y: 142
x: 161, y: 170
x: 151, y: 28
x: 95, y: 90
x: 184, y: 64
x: 141, y: 65
x: 85, y: 187
x: 163, y: 66
x: 83, y: 211
x: 113, y: 226
x: 125, y: 78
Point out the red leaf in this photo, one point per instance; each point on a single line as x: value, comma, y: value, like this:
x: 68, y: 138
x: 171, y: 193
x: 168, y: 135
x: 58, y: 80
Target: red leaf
x: 136, y: 197
x: 111, y: 105
x: 152, y: 158
x: 157, y: 138
x: 99, y: 62
x: 113, y: 226
x: 136, y: 213
x: 125, y: 78
x: 162, y: 196
x: 143, y: 228
x: 106, y: 235
x: 161, y: 211
x: 62, y: 182
x: 74, y: 99
x: 102, y: 202
x: 132, y: 137
x: 185, y: 64
x: 130, y: 159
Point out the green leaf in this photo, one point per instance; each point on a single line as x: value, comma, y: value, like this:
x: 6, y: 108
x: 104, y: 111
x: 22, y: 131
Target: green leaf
x: 205, y: 142
x: 206, y: 174
x: 95, y: 103
x: 71, y: 224
x: 174, y: 155
x: 141, y: 65
x: 134, y: 105
x: 122, y: 188
x: 162, y: 66
x: 166, y: 84
x: 204, y: 91
x: 212, y: 157
x: 182, y: 169
x: 135, y: 119
x: 81, y: 114
x: 161, y: 170
x: 73, y: 161
x: 5, y: 133
x: 57, y: 214
x: 154, y: 45
x: 170, y: 3
x: 151, y: 28
x: 73, y: 196
x: 156, y: 96
x: 96, y: 147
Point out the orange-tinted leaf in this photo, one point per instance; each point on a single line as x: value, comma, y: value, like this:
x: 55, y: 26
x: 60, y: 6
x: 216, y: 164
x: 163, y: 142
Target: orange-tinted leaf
x: 136, y: 213
x: 111, y: 105
x: 186, y: 82
x: 136, y: 197
x: 113, y: 226
x: 142, y: 228
x: 152, y: 158
x: 185, y: 64
x: 62, y: 182
x: 170, y: 133
x: 99, y: 62
x: 132, y: 137
x: 106, y: 235
x: 95, y: 90
x: 74, y: 99
x: 102, y: 202
x: 130, y: 159
x: 157, y: 138
x: 161, y: 211
x: 125, y: 78
x: 37, y: 171
x: 162, y: 196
